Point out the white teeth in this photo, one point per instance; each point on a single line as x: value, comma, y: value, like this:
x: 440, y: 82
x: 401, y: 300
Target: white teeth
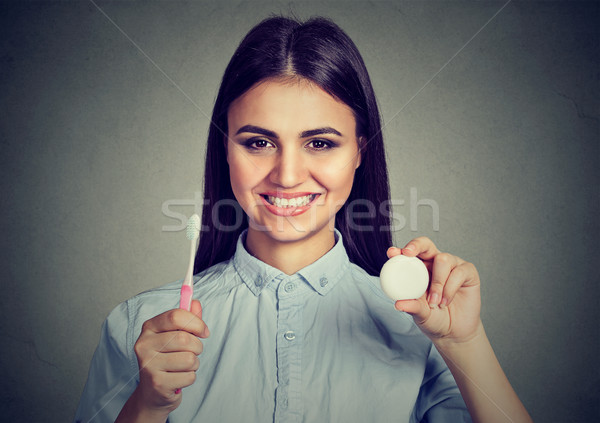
x: 292, y: 202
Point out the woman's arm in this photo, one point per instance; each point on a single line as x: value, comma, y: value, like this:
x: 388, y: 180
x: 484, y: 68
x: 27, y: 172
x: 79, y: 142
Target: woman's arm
x: 449, y: 314
x: 135, y: 411
x: 482, y: 382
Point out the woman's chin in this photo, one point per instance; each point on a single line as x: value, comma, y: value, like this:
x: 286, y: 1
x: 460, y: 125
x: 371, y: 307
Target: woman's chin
x: 285, y: 230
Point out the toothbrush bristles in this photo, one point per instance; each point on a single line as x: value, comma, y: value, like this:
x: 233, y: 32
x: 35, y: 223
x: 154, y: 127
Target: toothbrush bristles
x: 193, y: 227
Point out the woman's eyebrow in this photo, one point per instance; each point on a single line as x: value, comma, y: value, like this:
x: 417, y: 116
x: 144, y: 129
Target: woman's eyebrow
x: 256, y: 130
x: 305, y: 134
x: 319, y: 131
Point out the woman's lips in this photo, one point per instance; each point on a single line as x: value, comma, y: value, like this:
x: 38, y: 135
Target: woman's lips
x: 288, y: 204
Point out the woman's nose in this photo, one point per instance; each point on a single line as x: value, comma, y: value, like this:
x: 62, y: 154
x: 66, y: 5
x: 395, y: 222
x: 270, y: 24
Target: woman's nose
x: 289, y: 170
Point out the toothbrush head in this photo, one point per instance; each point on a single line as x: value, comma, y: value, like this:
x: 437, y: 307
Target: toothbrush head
x: 193, y: 227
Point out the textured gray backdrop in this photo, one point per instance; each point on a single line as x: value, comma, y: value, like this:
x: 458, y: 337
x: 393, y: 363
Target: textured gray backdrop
x: 104, y: 120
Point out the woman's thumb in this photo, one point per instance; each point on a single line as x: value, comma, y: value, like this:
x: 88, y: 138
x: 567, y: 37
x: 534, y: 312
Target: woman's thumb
x: 196, y: 308
x: 418, y: 309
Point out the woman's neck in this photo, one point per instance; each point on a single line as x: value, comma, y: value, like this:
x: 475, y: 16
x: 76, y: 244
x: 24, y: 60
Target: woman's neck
x: 289, y: 256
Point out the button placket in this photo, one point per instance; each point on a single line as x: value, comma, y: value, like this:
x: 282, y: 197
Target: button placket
x: 289, y: 350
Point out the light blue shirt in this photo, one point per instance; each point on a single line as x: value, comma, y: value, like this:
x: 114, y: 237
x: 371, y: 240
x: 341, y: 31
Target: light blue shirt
x: 322, y: 345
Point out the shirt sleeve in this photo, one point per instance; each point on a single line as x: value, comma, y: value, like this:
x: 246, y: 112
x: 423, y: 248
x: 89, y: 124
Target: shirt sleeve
x: 439, y: 398
x: 113, y: 373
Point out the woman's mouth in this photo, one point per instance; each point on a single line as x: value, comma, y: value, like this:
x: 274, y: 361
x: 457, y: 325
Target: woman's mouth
x: 290, y: 202
x: 283, y: 204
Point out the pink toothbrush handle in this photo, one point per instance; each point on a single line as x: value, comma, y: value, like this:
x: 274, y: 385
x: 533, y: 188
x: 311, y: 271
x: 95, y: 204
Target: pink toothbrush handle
x: 185, y: 303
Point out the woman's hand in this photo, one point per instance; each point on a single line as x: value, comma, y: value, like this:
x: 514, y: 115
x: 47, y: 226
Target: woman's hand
x: 449, y: 309
x: 448, y: 313
x: 167, y: 352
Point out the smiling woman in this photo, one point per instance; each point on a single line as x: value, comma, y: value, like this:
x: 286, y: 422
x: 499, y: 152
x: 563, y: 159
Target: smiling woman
x: 299, y: 328
x: 312, y: 71
x: 292, y: 163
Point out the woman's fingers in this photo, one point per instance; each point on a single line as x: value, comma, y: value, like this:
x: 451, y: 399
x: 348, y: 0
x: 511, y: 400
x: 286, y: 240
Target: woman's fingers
x: 463, y: 275
x: 421, y: 247
x: 393, y: 251
x: 418, y: 309
x: 440, y: 266
x: 178, y: 319
x: 448, y: 273
x: 443, y: 264
x: 180, y: 362
x: 163, y: 384
x: 174, y: 341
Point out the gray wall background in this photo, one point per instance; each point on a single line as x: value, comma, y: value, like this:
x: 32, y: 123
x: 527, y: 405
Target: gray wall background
x: 101, y: 126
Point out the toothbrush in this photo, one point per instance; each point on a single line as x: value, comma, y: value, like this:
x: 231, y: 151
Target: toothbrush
x: 187, y: 288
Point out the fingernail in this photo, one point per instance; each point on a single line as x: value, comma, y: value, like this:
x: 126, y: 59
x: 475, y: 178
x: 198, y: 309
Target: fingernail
x: 410, y: 247
x: 205, y: 332
x: 444, y: 303
x: 434, y: 300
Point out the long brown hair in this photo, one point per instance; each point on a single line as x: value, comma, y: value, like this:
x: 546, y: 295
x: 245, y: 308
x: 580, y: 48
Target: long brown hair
x: 320, y: 51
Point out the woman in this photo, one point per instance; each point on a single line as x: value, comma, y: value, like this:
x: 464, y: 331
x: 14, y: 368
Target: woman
x: 299, y: 328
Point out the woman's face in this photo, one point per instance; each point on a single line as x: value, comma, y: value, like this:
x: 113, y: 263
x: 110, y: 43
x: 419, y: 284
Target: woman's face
x: 292, y: 152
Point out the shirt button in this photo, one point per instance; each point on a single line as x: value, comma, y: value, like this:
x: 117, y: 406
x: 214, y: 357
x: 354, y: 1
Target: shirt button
x: 289, y: 287
x: 258, y: 281
x: 323, y: 281
x: 290, y: 335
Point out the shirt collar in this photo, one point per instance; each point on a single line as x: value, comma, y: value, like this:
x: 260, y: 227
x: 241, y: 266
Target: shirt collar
x: 321, y: 275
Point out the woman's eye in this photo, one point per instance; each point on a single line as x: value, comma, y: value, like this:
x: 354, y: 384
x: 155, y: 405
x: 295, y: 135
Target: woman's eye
x: 319, y: 145
x: 258, y: 144
x: 261, y: 143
